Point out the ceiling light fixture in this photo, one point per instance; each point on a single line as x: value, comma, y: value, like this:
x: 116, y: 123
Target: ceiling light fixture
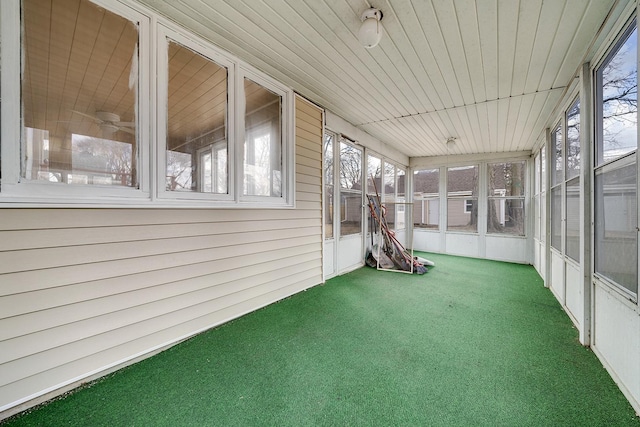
x: 370, y: 31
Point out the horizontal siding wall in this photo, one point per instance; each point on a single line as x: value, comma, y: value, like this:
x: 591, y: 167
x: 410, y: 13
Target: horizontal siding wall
x: 82, y: 290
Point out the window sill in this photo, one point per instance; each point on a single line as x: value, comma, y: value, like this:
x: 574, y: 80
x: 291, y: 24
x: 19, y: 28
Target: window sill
x: 15, y: 202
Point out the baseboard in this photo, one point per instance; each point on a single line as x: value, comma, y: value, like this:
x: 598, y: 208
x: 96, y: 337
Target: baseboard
x: 635, y: 404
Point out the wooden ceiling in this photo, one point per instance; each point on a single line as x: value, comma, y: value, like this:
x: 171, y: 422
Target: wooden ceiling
x: 488, y: 72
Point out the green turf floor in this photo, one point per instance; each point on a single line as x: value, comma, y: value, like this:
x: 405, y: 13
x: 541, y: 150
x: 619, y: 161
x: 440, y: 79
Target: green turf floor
x: 472, y: 342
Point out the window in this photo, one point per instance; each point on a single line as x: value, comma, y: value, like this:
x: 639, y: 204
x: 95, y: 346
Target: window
x: 617, y: 94
x: 329, y: 141
x: 426, y: 198
x: 506, y: 184
x: 350, y: 188
x: 393, y: 196
x: 389, y: 182
x: 262, y: 148
x: 572, y: 224
x: 573, y: 141
x: 196, y: 139
x: 572, y: 185
x: 401, y: 211
x: 616, y: 180
x: 462, y: 186
x: 536, y: 191
x: 556, y: 218
x: 557, y: 179
x: 556, y: 156
x: 374, y: 175
x: 79, y: 123
x: 222, y: 133
x: 543, y: 192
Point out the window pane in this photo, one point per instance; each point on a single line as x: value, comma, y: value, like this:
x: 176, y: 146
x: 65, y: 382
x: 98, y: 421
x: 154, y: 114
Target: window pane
x: 389, y: 181
x: 556, y: 218
x: 350, y: 213
x: 616, y: 219
x: 426, y: 204
x: 536, y: 226
x: 401, y: 216
x: 350, y: 189
x: 572, y: 239
x: 573, y: 140
x: 374, y: 175
x: 400, y: 182
x: 506, y: 216
x: 556, y: 156
x: 263, y: 141
x: 79, y: 103
x: 536, y: 166
x: 543, y: 218
x: 618, y: 110
x: 462, y: 181
x: 462, y: 201
x: 328, y: 185
x: 543, y: 169
x: 462, y: 215
x: 506, y: 179
x: 350, y: 167
x: 196, y: 121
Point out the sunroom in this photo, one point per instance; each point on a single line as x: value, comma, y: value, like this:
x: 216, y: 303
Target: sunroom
x: 168, y: 166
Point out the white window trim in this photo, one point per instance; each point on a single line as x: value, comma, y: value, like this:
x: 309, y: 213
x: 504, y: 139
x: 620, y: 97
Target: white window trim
x: 168, y: 33
x: 16, y: 191
x: 151, y: 129
x: 287, y: 132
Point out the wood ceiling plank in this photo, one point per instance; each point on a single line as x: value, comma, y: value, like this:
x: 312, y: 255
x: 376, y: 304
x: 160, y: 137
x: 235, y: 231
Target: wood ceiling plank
x: 548, y: 27
x: 409, y: 39
x: 425, y: 65
x: 491, y: 145
x: 195, y: 15
x: 375, y: 66
x: 454, y: 49
x: 502, y: 124
x: 479, y: 46
x: 435, y: 55
x: 508, y: 12
x: 435, y: 39
x: 528, y: 20
x: 563, y: 45
x: 583, y: 34
x: 512, y: 118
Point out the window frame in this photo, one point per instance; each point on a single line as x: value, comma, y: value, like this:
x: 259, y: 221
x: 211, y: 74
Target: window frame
x: 450, y: 195
x: 287, y: 132
x: 422, y: 198
x: 167, y: 34
x: 17, y: 191
x: 501, y: 196
x: 556, y: 184
x: 600, y: 166
x: 570, y: 177
x: 344, y: 193
x: 151, y: 121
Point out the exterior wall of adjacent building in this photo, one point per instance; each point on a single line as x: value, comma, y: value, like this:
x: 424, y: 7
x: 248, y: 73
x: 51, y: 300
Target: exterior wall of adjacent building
x: 84, y: 291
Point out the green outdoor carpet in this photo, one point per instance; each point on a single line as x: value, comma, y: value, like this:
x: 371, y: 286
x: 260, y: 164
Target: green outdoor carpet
x: 472, y: 342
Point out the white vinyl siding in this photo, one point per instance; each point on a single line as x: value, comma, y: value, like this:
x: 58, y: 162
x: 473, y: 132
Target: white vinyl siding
x: 83, y: 290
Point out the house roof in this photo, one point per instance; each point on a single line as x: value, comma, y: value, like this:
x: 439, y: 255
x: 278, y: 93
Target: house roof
x: 487, y: 72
